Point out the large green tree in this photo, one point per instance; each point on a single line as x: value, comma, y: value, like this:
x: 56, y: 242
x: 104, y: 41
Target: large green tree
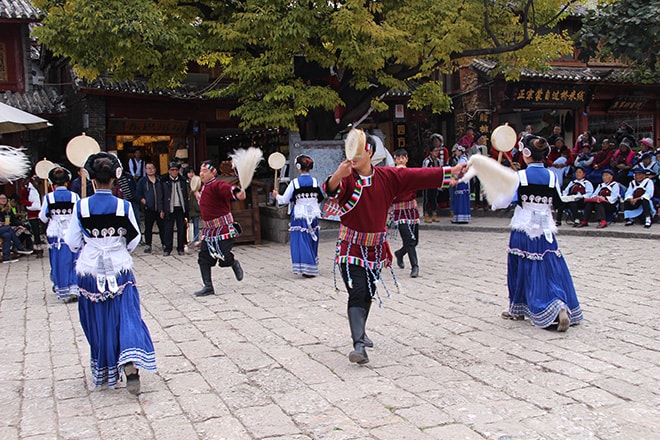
x: 628, y: 30
x: 289, y: 60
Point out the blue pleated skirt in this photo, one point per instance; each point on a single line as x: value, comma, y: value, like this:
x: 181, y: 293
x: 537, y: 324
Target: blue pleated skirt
x: 540, y: 284
x: 115, y: 330
x: 62, y: 268
x: 304, y: 246
x: 460, y: 203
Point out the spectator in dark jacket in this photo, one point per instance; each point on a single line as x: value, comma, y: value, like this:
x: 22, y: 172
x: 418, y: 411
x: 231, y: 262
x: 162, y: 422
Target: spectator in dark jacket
x: 175, y: 208
x: 125, y: 188
x: 149, y: 195
x: 76, y: 185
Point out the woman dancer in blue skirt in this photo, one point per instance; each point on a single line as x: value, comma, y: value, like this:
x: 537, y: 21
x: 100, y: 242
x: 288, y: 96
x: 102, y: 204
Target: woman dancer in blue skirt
x: 540, y: 284
x: 56, y: 210
x: 460, y: 200
x: 304, y: 195
x: 109, y: 304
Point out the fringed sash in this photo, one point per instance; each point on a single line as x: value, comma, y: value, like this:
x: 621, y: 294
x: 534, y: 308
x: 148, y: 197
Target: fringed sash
x: 361, y: 238
x: 220, y: 222
x: 364, y: 240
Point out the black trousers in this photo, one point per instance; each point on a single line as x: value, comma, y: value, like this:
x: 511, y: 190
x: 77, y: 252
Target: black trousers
x: 602, y: 210
x: 431, y: 201
x: 149, y: 218
x: 475, y: 187
x: 409, y: 234
x: 574, y: 207
x: 204, y: 258
x: 35, y: 227
x: 364, y: 282
x: 646, y: 206
x: 173, y: 218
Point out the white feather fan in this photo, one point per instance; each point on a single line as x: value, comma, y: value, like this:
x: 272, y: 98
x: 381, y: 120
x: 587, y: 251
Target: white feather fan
x: 245, y: 163
x: 14, y: 164
x: 499, y: 182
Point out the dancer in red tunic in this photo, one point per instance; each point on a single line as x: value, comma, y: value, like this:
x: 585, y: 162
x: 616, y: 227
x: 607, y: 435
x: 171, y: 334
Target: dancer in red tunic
x: 405, y: 215
x: 219, y: 226
x: 364, y: 194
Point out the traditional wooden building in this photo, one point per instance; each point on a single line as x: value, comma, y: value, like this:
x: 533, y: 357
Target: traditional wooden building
x: 22, y: 82
x: 597, y: 98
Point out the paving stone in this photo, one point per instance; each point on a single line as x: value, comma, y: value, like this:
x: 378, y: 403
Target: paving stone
x: 453, y: 432
x: 265, y: 421
x: 173, y: 428
x: 266, y: 357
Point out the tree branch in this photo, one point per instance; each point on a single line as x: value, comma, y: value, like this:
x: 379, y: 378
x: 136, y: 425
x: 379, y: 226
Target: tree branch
x: 487, y: 25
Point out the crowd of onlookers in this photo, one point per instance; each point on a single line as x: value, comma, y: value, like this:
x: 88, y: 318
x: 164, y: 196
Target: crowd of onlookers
x: 617, y: 176
x: 599, y: 180
x: 170, y: 201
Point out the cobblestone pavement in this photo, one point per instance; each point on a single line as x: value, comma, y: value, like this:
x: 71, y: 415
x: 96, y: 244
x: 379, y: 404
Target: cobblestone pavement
x: 265, y: 358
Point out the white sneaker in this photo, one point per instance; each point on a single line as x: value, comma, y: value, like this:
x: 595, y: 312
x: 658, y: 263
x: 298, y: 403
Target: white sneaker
x: 24, y: 252
x: 11, y: 260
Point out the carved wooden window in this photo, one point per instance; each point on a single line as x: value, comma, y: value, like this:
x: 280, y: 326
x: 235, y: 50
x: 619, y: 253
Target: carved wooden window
x: 4, y: 76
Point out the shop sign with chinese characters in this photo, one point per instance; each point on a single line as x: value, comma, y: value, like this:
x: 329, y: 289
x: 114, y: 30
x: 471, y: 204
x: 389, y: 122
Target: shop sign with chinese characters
x: 627, y: 104
x: 544, y: 95
x: 146, y: 126
x: 480, y: 121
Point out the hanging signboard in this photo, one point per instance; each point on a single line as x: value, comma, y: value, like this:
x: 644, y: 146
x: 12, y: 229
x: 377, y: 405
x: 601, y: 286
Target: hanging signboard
x: 544, y: 95
x: 627, y: 104
x: 146, y: 126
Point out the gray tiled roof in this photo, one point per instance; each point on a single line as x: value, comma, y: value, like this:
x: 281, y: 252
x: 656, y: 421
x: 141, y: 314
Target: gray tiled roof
x: 184, y: 91
x: 139, y: 87
x: 40, y: 101
x: 20, y: 10
x: 561, y: 73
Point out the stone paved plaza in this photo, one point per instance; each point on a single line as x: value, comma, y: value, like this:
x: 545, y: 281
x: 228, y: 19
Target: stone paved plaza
x: 265, y: 358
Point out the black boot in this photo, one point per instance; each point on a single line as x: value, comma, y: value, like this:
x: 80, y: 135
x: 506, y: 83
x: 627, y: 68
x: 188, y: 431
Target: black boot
x: 367, y: 341
x: 357, y: 318
x: 238, y: 270
x: 206, y: 279
x: 412, y: 255
x: 399, y: 257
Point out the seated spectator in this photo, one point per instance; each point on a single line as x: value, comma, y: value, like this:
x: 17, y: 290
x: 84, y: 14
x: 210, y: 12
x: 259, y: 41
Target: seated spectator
x: 584, y: 139
x: 645, y: 147
x: 622, y: 162
x: 8, y: 234
x: 557, y: 132
x: 601, y: 161
x: 648, y: 162
x: 573, y: 196
x: 637, y: 202
x: 625, y: 132
x: 585, y: 159
x: 560, y: 167
x: 603, y: 201
x: 9, y: 215
x: 556, y: 152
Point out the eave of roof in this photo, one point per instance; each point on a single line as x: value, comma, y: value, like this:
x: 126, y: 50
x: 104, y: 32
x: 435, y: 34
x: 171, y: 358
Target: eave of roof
x: 562, y: 73
x: 19, y: 10
x: 140, y: 87
x: 41, y: 101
